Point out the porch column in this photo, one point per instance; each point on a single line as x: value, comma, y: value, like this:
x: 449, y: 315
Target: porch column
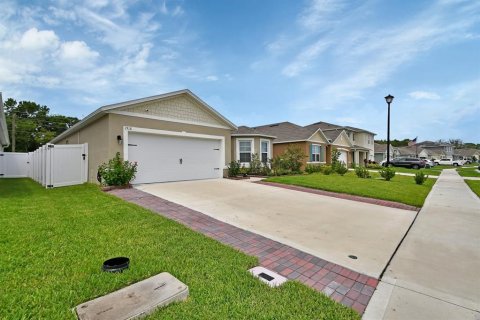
x: 357, y: 157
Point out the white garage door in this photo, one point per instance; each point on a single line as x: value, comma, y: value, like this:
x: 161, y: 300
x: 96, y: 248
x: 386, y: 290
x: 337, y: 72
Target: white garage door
x: 343, y: 156
x: 163, y: 158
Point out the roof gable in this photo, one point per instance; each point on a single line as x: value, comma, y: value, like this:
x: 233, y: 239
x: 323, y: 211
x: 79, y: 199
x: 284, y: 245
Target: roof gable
x: 343, y: 140
x: 181, y: 108
x: 318, y: 136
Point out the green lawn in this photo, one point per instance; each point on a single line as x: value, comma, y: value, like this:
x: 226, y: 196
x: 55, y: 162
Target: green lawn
x: 400, y: 189
x: 474, y: 185
x: 53, y: 243
x: 468, y: 172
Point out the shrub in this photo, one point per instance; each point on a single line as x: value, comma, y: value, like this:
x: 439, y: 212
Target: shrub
x: 387, y: 173
x: 311, y: 168
x: 117, y: 172
x: 255, y: 164
x: 326, y: 170
x: 293, y: 158
x: 374, y: 166
x: 420, y: 177
x: 244, y: 171
x: 362, y: 172
x: 341, y: 169
x: 233, y: 168
x: 335, y: 162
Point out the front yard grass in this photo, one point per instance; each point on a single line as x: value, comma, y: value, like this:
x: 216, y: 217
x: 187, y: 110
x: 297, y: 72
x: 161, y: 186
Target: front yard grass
x: 474, y: 185
x: 468, y: 172
x: 53, y: 243
x: 400, y: 189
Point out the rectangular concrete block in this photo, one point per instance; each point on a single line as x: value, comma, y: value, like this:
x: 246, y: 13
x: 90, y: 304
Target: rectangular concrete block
x: 136, y: 300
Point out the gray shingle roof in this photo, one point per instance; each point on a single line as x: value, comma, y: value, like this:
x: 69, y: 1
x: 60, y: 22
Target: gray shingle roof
x: 244, y: 130
x: 467, y: 152
x: 286, y: 131
x: 325, y: 126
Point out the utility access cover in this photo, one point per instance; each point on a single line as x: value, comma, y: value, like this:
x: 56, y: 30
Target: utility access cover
x: 136, y: 300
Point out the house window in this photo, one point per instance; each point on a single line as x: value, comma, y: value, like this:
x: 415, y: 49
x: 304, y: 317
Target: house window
x: 315, y: 154
x: 353, y: 136
x: 245, y: 150
x: 264, y: 146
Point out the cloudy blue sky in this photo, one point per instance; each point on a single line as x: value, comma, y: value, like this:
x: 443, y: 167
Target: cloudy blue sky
x: 256, y: 62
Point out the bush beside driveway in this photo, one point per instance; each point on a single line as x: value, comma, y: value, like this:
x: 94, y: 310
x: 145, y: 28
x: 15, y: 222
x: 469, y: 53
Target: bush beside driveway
x: 53, y: 243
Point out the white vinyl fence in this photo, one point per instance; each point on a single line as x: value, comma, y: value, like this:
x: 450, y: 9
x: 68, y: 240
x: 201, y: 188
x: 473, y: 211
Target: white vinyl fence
x: 50, y: 165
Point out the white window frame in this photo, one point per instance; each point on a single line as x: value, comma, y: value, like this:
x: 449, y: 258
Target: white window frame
x: 319, y: 153
x: 269, y: 155
x: 252, y: 147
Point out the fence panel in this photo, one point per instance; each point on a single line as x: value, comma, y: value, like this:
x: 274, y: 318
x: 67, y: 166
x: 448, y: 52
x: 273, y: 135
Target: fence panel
x: 50, y: 165
x: 66, y: 164
x: 13, y: 164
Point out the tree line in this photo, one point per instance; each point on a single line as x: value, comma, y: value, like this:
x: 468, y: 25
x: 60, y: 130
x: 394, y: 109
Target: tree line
x: 31, y: 125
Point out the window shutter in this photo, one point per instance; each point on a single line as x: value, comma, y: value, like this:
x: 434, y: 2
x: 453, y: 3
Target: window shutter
x: 320, y: 156
x: 311, y: 153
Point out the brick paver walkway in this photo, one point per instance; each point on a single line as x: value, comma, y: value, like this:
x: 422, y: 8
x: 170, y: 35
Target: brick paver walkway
x: 341, y: 284
x: 385, y: 203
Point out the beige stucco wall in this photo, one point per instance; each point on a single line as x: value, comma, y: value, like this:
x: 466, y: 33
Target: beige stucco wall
x: 256, y: 145
x: 96, y: 135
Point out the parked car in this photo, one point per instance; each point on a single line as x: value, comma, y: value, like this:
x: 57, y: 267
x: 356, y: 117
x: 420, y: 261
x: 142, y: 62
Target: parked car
x: 450, y: 162
x: 429, y: 163
x: 414, y: 163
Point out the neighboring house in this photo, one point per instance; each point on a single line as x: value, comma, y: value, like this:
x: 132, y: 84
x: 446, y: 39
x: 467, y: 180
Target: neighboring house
x: 285, y: 134
x: 411, y: 152
x: 4, y: 139
x: 247, y: 141
x: 317, y: 141
x: 467, y: 153
x: 444, y: 148
x: 173, y: 136
x: 432, y: 153
x: 381, y: 152
x: 362, y: 141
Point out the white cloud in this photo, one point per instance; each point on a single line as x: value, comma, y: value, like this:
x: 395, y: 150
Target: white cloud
x: 211, y: 78
x: 33, y: 39
x: 424, y: 95
x: 318, y: 14
x: 303, y: 59
x: 77, y: 52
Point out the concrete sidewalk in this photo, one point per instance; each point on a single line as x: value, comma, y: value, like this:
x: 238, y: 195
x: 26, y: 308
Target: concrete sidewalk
x: 435, y: 272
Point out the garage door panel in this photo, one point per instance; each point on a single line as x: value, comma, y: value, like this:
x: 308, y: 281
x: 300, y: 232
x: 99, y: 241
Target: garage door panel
x: 343, y: 156
x: 168, y: 158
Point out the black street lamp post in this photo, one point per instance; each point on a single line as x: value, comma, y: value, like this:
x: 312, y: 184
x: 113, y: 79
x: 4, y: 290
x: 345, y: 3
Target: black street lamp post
x: 389, y: 100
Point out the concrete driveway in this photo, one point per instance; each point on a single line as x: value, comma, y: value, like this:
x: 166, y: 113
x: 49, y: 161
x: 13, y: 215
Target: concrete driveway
x: 327, y: 227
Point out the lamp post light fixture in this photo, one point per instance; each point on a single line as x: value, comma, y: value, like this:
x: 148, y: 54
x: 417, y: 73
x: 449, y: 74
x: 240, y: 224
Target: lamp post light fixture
x: 389, y: 100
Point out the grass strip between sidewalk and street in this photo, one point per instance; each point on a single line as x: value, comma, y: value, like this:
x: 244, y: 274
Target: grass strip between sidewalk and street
x: 53, y: 243
x: 400, y: 189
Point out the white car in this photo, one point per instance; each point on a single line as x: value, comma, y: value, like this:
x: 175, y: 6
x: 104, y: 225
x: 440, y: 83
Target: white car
x: 429, y: 163
x: 450, y: 162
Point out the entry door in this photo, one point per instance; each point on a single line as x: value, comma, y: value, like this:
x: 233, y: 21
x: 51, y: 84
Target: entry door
x: 163, y: 158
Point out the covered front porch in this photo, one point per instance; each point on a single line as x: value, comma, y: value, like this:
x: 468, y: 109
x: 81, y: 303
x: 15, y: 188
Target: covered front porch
x: 360, y: 156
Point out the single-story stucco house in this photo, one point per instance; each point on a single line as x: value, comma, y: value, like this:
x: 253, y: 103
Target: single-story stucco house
x: 173, y: 136
x: 177, y: 136
x: 4, y: 139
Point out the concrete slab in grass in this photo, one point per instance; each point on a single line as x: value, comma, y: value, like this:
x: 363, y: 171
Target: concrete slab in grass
x: 136, y: 300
